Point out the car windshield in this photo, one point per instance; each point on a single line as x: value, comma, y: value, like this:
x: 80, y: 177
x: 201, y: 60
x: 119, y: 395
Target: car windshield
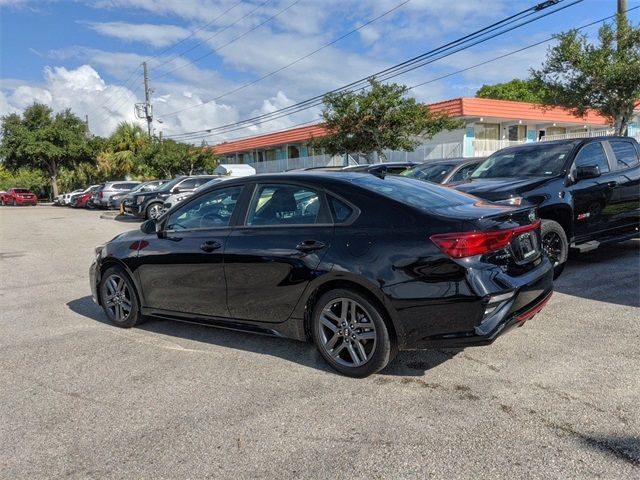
x: 169, y: 185
x: 537, y: 160
x: 146, y: 187
x: 423, y: 195
x: 434, y: 172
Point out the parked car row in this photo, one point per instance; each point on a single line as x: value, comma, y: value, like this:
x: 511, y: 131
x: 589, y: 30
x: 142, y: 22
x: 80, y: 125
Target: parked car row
x: 364, y: 264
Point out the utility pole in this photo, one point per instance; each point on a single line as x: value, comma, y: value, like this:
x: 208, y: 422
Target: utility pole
x: 622, y: 6
x: 145, y: 110
x: 147, y: 98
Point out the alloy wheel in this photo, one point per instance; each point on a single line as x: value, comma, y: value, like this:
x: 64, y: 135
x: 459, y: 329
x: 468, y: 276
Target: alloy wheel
x: 552, y: 246
x: 347, y: 333
x: 117, y: 298
x: 155, y: 210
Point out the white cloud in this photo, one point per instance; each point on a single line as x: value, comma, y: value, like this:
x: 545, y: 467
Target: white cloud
x: 156, y: 35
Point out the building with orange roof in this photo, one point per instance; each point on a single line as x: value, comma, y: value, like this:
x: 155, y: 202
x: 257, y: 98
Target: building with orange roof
x: 488, y: 126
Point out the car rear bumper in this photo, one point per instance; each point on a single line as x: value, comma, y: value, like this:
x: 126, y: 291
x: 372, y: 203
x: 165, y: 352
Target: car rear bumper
x: 497, y: 312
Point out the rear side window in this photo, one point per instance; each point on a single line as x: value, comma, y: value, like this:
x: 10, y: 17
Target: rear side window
x: 626, y: 154
x: 284, y: 205
x: 422, y: 195
x: 592, y: 154
x: 188, y: 184
x: 340, y: 210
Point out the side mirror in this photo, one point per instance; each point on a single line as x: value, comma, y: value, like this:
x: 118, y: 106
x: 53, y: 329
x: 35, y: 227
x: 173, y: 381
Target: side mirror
x: 587, y: 171
x: 175, y: 190
x: 149, y: 226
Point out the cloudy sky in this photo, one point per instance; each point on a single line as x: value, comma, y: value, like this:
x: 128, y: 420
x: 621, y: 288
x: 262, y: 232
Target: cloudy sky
x: 86, y: 55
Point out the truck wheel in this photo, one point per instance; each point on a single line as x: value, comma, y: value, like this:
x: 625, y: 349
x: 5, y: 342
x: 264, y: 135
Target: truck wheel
x: 555, y: 245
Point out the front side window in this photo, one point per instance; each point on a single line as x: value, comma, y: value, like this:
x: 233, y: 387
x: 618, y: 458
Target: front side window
x: 188, y: 184
x: 211, y: 210
x: 284, y: 205
x: 592, y: 154
x: 625, y: 152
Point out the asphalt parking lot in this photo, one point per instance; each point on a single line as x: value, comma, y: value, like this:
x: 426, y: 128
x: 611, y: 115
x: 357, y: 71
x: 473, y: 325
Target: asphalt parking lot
x: 79, y: 398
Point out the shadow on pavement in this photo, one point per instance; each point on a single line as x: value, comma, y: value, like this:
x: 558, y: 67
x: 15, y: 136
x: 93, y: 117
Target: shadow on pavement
x: 609, y: 274
x: 623, y: 448
x: 405, y: 364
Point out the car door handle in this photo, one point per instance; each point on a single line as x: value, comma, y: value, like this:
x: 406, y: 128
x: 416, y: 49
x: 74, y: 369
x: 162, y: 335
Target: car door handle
x: 612, y: 184
x: 309, y: 246
x: 210, y: 245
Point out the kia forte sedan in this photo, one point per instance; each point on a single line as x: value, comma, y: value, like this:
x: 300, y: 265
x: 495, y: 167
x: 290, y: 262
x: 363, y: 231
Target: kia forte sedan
x: 361, y: 266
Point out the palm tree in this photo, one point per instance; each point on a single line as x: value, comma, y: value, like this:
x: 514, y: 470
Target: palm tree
x: 125, y: 145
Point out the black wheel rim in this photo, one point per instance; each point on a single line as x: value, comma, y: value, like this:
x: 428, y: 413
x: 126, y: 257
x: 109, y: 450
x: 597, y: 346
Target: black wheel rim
x: 552, y: 246
x: 117, y: 298
x: 347, y: 333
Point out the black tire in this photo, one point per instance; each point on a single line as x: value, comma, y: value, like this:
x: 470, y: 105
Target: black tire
x: 555, y: 245
x: 116, y: 310
x: 378, y: 348
x: 148, y: 210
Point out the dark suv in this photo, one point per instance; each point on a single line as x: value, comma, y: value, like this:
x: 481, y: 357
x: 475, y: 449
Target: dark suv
x: 150, y: 204
x: 587, y: 190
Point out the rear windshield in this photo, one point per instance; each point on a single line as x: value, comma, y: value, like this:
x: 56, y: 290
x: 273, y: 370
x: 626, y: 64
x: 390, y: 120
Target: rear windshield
x: 20, y: 190
x: 435, y: 172
x: 538, y: 160
x: 416, y: 193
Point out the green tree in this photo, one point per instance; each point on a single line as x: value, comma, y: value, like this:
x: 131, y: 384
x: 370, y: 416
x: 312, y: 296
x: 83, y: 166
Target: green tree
x: 41, y: 139
x: 516, y: 90
x: 124, y: 150
x: 23, y: 177
x: 171, y: 158
x: 381, y: 118
x: 604, y: 76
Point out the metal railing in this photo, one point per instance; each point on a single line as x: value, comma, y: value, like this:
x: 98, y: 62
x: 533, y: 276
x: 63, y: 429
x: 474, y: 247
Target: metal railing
x: 285, y: 164
x: 580, y: 134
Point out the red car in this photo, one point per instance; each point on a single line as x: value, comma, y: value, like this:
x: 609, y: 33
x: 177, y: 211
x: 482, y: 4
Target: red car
x: 82, y: 200
x: 18, y: 196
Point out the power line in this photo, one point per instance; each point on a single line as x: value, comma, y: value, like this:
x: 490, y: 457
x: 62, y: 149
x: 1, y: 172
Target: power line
x: 390, y: 72
x: 208, y: 38
x: 513, y: 52
x: 194, y: 32
x: 298, y: 60
x: 235, y: 39
x: 489, y: 28
x: 130, y: 80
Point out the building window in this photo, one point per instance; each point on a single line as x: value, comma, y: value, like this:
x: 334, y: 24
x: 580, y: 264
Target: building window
x: 517, y: 133
x: 487, y: 131
x: 556, y: 130
x: 270, y: 155
x: 293, y: 152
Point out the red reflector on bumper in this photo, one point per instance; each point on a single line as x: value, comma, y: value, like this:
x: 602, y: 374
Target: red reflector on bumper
x: 535, y: 309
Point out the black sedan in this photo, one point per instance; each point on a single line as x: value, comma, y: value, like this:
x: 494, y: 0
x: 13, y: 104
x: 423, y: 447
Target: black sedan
x: 361, y: 265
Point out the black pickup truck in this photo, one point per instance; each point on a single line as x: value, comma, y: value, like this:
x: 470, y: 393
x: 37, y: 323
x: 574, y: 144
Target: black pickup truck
x: 587, y: 190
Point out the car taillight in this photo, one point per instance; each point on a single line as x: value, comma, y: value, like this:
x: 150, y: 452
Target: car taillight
x: 468, y: 244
